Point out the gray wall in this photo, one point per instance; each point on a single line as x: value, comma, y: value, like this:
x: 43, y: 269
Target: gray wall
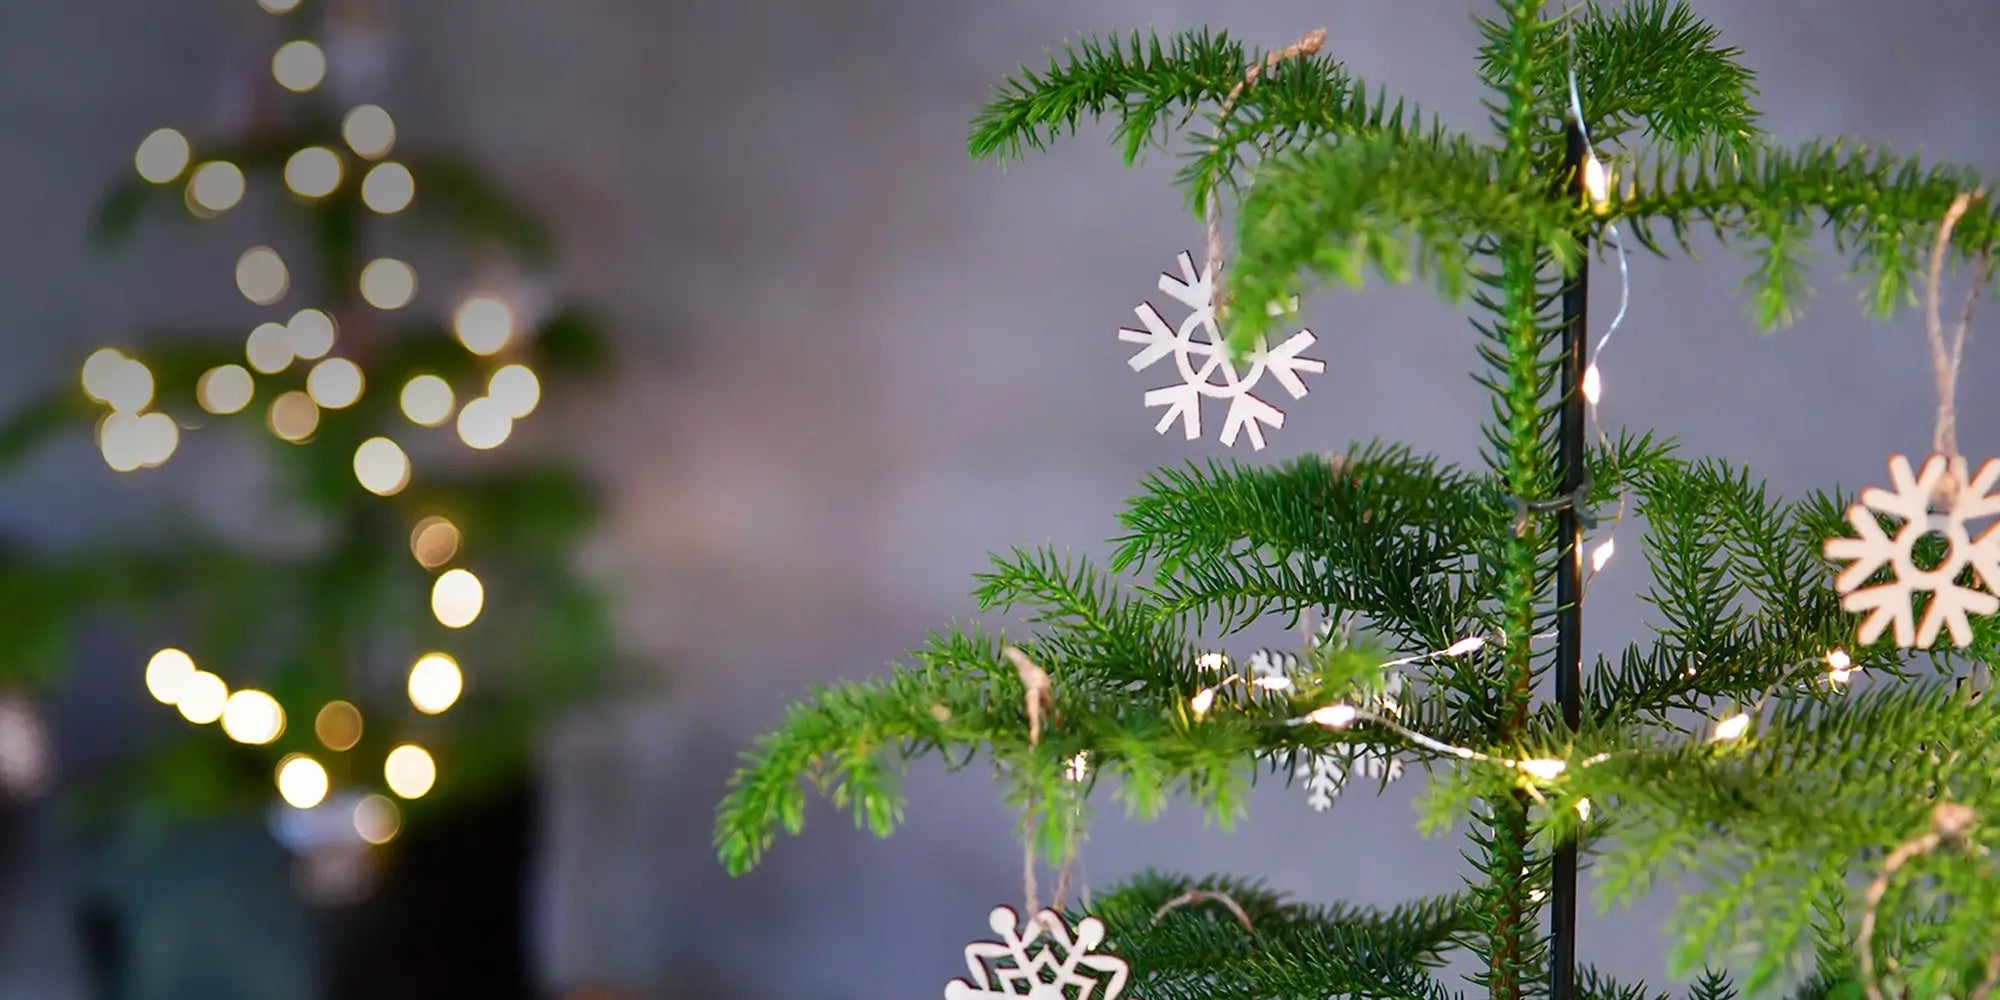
x: 857, y: 362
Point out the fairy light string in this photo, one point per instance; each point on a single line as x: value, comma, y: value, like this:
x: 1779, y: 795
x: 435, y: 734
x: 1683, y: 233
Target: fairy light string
x: 1347, y: 713
x: 138, y: 433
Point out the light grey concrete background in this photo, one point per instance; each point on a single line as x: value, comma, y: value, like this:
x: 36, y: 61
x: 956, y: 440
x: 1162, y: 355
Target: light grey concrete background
x: 855, y: 362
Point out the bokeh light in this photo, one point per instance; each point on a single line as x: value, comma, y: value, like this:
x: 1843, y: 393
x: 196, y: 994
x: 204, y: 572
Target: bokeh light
x: 312, y: 333
x: 117, y: 381
x: 203, y: 697
x: 377, y: 820
x: 161, y: 156
x: 253, y: 717
x: 313, y: 172
x: 302, y: 781
x: 427, y: 400
x: 278, y: 6
x: 434, y: 541
x: 118, y: 442
x: 516, y: 389
x: 456, y: 598
x: 268, y: 349
x: 298, y: 65
x: 435, y: 683
x: 369, y: 131
x: 381, y: 466
x: 338, y: 725
x: 215, y: 186
x: 334, y: 383
x: 167, y: 675
x: 484, y: 324
x: 484, y: 424
x: 388, y: 188
x: 294, y: 416
x: 100, y: 370
x: 137, y: 441
x: 261, y: 275
x: 225, y: 389
x: 155, y: 436
x: 388, y: 283
x: 409, y: 771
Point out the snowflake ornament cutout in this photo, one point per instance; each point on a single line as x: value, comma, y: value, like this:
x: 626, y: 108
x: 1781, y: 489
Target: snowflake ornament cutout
x: 1049, y: 962
x: 1203, y: 361
x: 1891, y: 604
x: 1325, y: 773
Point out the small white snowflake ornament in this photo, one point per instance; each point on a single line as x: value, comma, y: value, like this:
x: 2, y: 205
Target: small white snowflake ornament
x: 1324, y: 773
x: 1048, y: 962
x: 1203, y: 361
x: 1891, y: 604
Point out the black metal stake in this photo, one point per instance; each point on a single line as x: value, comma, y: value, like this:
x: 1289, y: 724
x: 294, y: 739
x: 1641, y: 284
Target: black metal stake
x: 1569, y: 573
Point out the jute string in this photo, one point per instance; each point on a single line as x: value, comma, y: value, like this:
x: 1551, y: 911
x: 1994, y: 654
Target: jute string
x: 1041, y: 705
x: 1948, y: 353
x: 1211, y: 209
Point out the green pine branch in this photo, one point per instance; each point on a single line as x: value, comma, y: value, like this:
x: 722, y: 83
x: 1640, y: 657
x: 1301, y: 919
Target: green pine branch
x: 1769, y: 826
x: 1404, y: 208
x: 1882, y: 209
x: 1202, y: 952
x: 1652, y: 73
x: 1142, y: 83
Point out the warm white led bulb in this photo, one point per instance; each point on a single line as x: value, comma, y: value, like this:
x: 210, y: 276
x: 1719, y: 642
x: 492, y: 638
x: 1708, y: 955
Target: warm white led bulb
x: 335, y: 383
x: 1335, y: 716
x: 388, y: 188
x: 298, y: 65
x: 119, y: 439
x: 1602, y: 554
x: 1543, y: 768
x: 1732, y: 728
x: 1596, y: 182
x: 268, y: 349
x: 457, y: 598
x: 313, y: 172
x: 224, y: 390
x: 483, y: 424
x: 427, y: 400
x: 215, y: 186
x: 381, y: 466
x: 202, y: 698
x: 154, y: 438
x: 167, y: 675
x: 261, y: 275
x: 435, y: 683
x: 388, y: 283
x: 409, y: 771
x: 516, y: 389
x: 252, y: 717
x: 294, y: 416
x: 484, y: 324
x: 312, y: 333
x: 161, y: 156
x: 369, y: 131
x: 117, y: 381
x: 302, y: 781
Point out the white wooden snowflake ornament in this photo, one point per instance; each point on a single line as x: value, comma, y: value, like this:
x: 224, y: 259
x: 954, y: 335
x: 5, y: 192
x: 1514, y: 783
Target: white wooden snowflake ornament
x: 1196, y: 291
x: 1891, y: 604
x: 1047, y: 962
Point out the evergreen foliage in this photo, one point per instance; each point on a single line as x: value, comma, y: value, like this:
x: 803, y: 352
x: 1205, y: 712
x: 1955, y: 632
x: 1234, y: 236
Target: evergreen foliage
x: 1776, y: 831
x: 340, y: 609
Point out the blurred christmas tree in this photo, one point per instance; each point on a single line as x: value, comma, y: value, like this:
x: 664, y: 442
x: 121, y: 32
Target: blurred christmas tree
x: 384, y: 630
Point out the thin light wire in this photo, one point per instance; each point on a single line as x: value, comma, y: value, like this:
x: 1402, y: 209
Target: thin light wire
x: 1617, y: 242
